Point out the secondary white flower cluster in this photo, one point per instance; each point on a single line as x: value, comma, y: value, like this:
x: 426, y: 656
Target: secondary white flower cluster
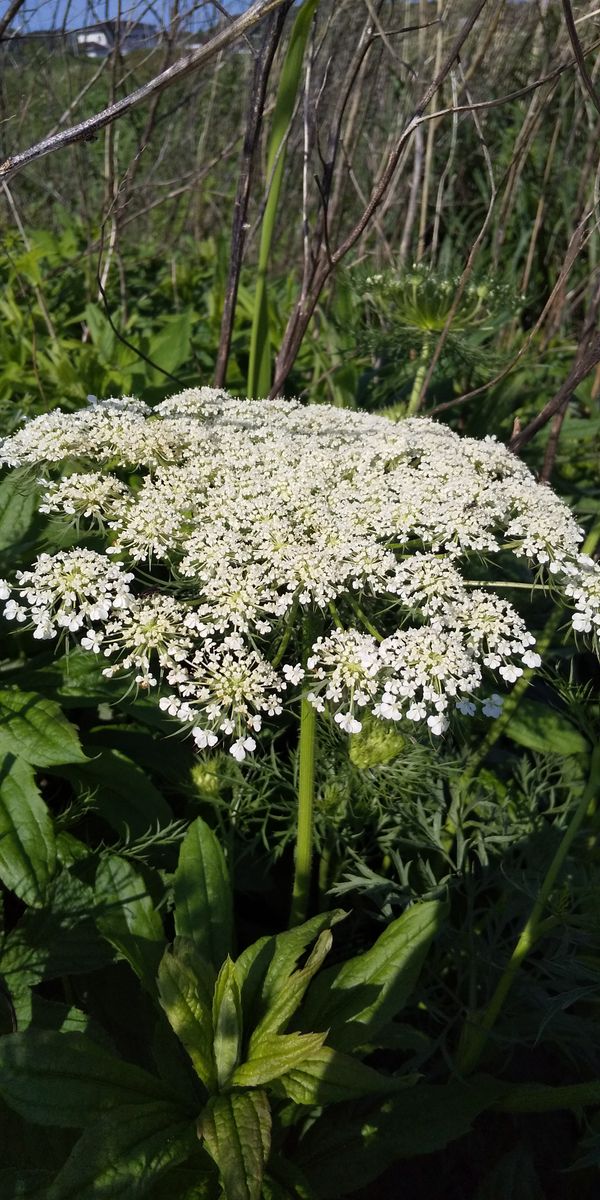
x: 234, y: 527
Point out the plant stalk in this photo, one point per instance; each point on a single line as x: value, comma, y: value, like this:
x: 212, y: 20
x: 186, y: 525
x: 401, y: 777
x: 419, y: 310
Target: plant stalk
x: 474, y: 1044
x: 306, y: 793
x: 415, y: 395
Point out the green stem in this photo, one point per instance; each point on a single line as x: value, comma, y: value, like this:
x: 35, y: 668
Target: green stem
x: 474, y: 1042
x: 306, y: 793
x: 415, y: 396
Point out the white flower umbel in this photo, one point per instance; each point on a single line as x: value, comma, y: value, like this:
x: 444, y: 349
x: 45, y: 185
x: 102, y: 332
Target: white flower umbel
x: 257, y: 553
x: 225, y: 520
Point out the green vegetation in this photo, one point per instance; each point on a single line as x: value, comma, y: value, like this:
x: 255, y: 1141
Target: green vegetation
x: 427, y: 1023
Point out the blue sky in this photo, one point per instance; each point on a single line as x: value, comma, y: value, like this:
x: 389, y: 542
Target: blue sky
x: 52, y: 14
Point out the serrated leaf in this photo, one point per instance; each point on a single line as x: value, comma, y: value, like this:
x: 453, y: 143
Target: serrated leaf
x: 355, y: 999
x: 540, y: 728
x: 36, y: 730
x: 276, y: 1054
x: 265, y: 966
x: 354, y: 1145
x: 203, y: 900
x: 186, y: 997
x: 227, y: 1022
x: 125, y: 1153
x: 18, y: 504
x: 236, y: 1131
x: 129, y: 920
x: 65, y: 1079
x: 330, y: 1077
x: 27, y: 842
x: 291, y: 993
x: 123, y: 794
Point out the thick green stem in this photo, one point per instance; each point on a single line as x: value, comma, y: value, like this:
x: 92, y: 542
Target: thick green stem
x: 306, y: 793
x: 415, y: 396
x: 474, y: 1042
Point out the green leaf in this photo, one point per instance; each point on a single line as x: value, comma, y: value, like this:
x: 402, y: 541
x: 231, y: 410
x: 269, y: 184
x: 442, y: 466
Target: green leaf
x: 276, y: 1054
x: 103, y: 336
x: 36, y: 730
x: 170, y: 348
x: 125, y: 1153
x: 129, y: 920
x: 353, y: 1146
x: 236, y: 1130
x: 123, y: 794
x: 203, y: 901
x: 329, y: 1077
x: 27, y: 843
x: 285, y: 1002
x: 18, y: 505
x: 67, y: 1080
x: 355, y: 999
x: 540, y: 728
x: 185, y: 995
x: 265, y: 966
x: 227, y: 1022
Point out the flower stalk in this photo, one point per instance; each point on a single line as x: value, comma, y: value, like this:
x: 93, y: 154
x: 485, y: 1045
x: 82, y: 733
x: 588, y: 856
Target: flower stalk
x: 475, y: 1041
x: 415, y: 395
x: 306, y: 797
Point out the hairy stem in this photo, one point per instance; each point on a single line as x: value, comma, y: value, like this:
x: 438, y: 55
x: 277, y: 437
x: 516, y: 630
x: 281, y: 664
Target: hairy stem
x: 474, y: 1043
x: 415, y: 395
x: 306, y: 792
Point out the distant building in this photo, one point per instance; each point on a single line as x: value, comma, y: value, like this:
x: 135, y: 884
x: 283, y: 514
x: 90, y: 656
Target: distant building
x: 91, y: 41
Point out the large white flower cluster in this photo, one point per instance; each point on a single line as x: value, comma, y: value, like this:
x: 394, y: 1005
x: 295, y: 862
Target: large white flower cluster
x: 253, y: 549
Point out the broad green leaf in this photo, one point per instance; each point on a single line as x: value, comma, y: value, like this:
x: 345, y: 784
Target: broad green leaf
x: 103, y: 336
x: 276, y: 1054
x: 129, y: 920
x: 358, y: 997
x: 27, y: 842
x: 227, y: 1022
x: 170, y: 348
x: 236, y: 1131
x: 59, y: 939
x: 185, y: 995
x: 123, y: 794
x: 125, y: 1153
x: 203, y: 901
x: 284, y: 1004
x: 353, y: 1146
x: 67, y: 1080
x: 18, y: 504
x: 36, y: 730
x: 540, y: 728
x: 265, y: 966
x: 329, y: 1077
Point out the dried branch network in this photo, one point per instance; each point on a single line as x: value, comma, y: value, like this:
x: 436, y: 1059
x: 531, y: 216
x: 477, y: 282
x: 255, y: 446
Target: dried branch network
x: 239, y: 517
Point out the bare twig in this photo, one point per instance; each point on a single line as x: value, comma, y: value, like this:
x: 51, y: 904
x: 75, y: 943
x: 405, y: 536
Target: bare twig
x: 254, y: 116
x: 85, y: 131
x: 9, y: 16
x: 586, y: 78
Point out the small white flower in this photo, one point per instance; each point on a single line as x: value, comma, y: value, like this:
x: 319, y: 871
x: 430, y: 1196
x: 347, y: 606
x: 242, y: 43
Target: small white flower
x: 437, y: 724
x: 293, y: 674
x: 466, y: 707
x: 348, y: 723
x: 204, y: 738
x: 531, y: 659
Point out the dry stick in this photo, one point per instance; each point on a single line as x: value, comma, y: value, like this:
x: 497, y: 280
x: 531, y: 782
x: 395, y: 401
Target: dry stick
x: 445, y: 173
x: 575, y: 245
x: 254, y: 116
x: 429, y: 147
x: 9, y: 16
x: 586, y: 358
x: 413, y: 195
x: 300, y: 318
x: 86, y: 130
x: 586, y: 78
x: 470, y: 263
x: 302, y: 314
